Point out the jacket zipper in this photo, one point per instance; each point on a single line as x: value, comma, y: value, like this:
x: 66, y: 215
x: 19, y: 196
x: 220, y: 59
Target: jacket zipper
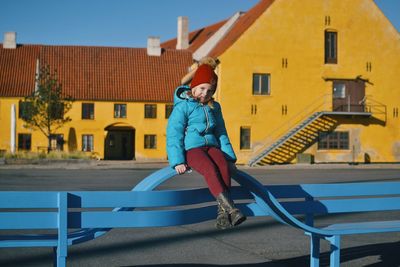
x: 207, y: 124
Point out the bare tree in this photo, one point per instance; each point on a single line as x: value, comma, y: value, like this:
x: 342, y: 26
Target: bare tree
x: 46, y: 107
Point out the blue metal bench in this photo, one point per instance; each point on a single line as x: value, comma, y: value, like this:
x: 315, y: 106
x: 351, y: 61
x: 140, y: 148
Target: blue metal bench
x: 323, y: 199
x: 79, y: 212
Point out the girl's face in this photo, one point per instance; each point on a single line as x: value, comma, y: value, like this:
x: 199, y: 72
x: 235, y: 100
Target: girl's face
x: 203, y: 92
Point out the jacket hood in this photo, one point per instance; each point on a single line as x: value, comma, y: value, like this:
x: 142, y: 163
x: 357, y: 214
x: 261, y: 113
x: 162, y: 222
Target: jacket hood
x: 181, y: 94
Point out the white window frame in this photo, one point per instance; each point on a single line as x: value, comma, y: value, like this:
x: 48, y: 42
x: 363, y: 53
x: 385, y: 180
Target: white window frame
x: 87, y: 142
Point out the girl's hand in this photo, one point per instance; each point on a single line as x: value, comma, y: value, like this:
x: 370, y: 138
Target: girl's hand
x: 181, y: 168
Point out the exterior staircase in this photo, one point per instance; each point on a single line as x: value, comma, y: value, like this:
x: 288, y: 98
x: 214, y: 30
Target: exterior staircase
x: 298, y: 139
x: 300, y: 132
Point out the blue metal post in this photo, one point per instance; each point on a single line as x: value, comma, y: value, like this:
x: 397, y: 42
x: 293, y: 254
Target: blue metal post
x: 335, y: 250
x: 62, y: 229
x: 315, y: 245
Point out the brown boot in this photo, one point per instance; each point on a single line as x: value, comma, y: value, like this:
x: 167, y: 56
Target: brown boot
x: 222, y: 221
x: 236, y: 217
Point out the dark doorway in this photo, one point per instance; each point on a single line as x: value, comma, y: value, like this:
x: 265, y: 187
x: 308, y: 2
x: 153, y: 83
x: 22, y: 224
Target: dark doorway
x: 348, y: 95
x: 119, y: 143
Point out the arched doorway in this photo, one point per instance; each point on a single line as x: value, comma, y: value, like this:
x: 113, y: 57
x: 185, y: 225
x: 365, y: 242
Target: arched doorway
x: 119, y: 143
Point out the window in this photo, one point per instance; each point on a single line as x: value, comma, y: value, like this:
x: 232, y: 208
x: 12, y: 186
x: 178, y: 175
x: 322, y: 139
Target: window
x: 244, y: 137
x: 57, y: 142
x: 261, y: 84
x: 119, y: 110
x: 24, y: 109
x: 150, y: 141
x: 150, y: 111
x: 87, y: 142
x: 88, y: 111
x: 24, y: 141
x: 339, y: 90
x: 168, y: 110
x: 330, y: 47
x: 333, y: 140
x: 57, y: 111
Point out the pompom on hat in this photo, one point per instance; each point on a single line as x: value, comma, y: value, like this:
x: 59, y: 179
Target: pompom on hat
x: 204, y: 74
x: 189, y: 77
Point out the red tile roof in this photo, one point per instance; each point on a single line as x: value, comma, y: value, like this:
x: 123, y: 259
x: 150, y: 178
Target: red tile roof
x: 200, y: 36
x: 96, y: 73
x: 17, y: 70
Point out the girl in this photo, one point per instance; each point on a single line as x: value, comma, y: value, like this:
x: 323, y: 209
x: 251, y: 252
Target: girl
x: 197, y: 138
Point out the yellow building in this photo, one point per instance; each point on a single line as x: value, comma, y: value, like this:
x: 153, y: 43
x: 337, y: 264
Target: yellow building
x: 308, y: 79
x: 297, y: 80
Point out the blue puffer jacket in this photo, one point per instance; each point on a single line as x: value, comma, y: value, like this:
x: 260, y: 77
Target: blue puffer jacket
x: 192, y: 125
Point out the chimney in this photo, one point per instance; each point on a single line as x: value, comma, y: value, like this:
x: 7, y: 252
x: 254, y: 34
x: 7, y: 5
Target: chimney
x: 153, y: 46
x: 183, y: 33
x: 10, y: 40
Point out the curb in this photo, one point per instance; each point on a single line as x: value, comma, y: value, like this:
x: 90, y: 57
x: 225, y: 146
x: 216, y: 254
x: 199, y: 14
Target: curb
x: 78, y: 164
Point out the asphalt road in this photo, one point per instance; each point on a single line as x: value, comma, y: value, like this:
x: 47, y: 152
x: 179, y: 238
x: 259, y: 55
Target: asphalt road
x: 127, y: 178
x: 258, y: 242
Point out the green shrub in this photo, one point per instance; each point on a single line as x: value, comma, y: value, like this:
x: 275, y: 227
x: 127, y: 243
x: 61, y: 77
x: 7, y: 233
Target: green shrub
x: 54, y: 155
x: 21, y: 155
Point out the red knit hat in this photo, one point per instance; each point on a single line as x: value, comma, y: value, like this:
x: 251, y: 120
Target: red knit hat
x: 204, y: 74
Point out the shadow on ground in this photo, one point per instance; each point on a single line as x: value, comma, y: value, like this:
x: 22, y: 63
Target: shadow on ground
x: 386, y: 252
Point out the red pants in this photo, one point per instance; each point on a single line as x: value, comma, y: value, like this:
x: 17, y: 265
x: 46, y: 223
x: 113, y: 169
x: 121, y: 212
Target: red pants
x: 211, y: 163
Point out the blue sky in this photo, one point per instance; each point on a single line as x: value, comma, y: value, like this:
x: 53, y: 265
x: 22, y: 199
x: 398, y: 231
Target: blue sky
x: 125, y: 23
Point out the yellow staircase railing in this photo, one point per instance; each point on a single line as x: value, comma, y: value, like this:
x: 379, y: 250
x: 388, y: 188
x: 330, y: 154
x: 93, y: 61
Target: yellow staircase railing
x: 301, y: 131
x: 295, y: 143
x: 295, y: 134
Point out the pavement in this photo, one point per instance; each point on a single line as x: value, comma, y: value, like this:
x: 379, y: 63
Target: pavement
x: 258, y: 242
x: 158, y: 163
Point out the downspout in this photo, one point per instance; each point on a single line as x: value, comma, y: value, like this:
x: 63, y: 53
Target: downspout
x: 37, y: 75
x: 13, y: 129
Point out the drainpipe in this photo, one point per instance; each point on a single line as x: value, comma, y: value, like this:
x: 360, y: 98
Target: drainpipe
x: 13, y: 129
x: 348, y: 103
x: 37, y: 75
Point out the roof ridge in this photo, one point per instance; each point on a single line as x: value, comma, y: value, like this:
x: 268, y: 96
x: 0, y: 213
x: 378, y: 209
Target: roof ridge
x: 244, y: 23
x: 209, y: 45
